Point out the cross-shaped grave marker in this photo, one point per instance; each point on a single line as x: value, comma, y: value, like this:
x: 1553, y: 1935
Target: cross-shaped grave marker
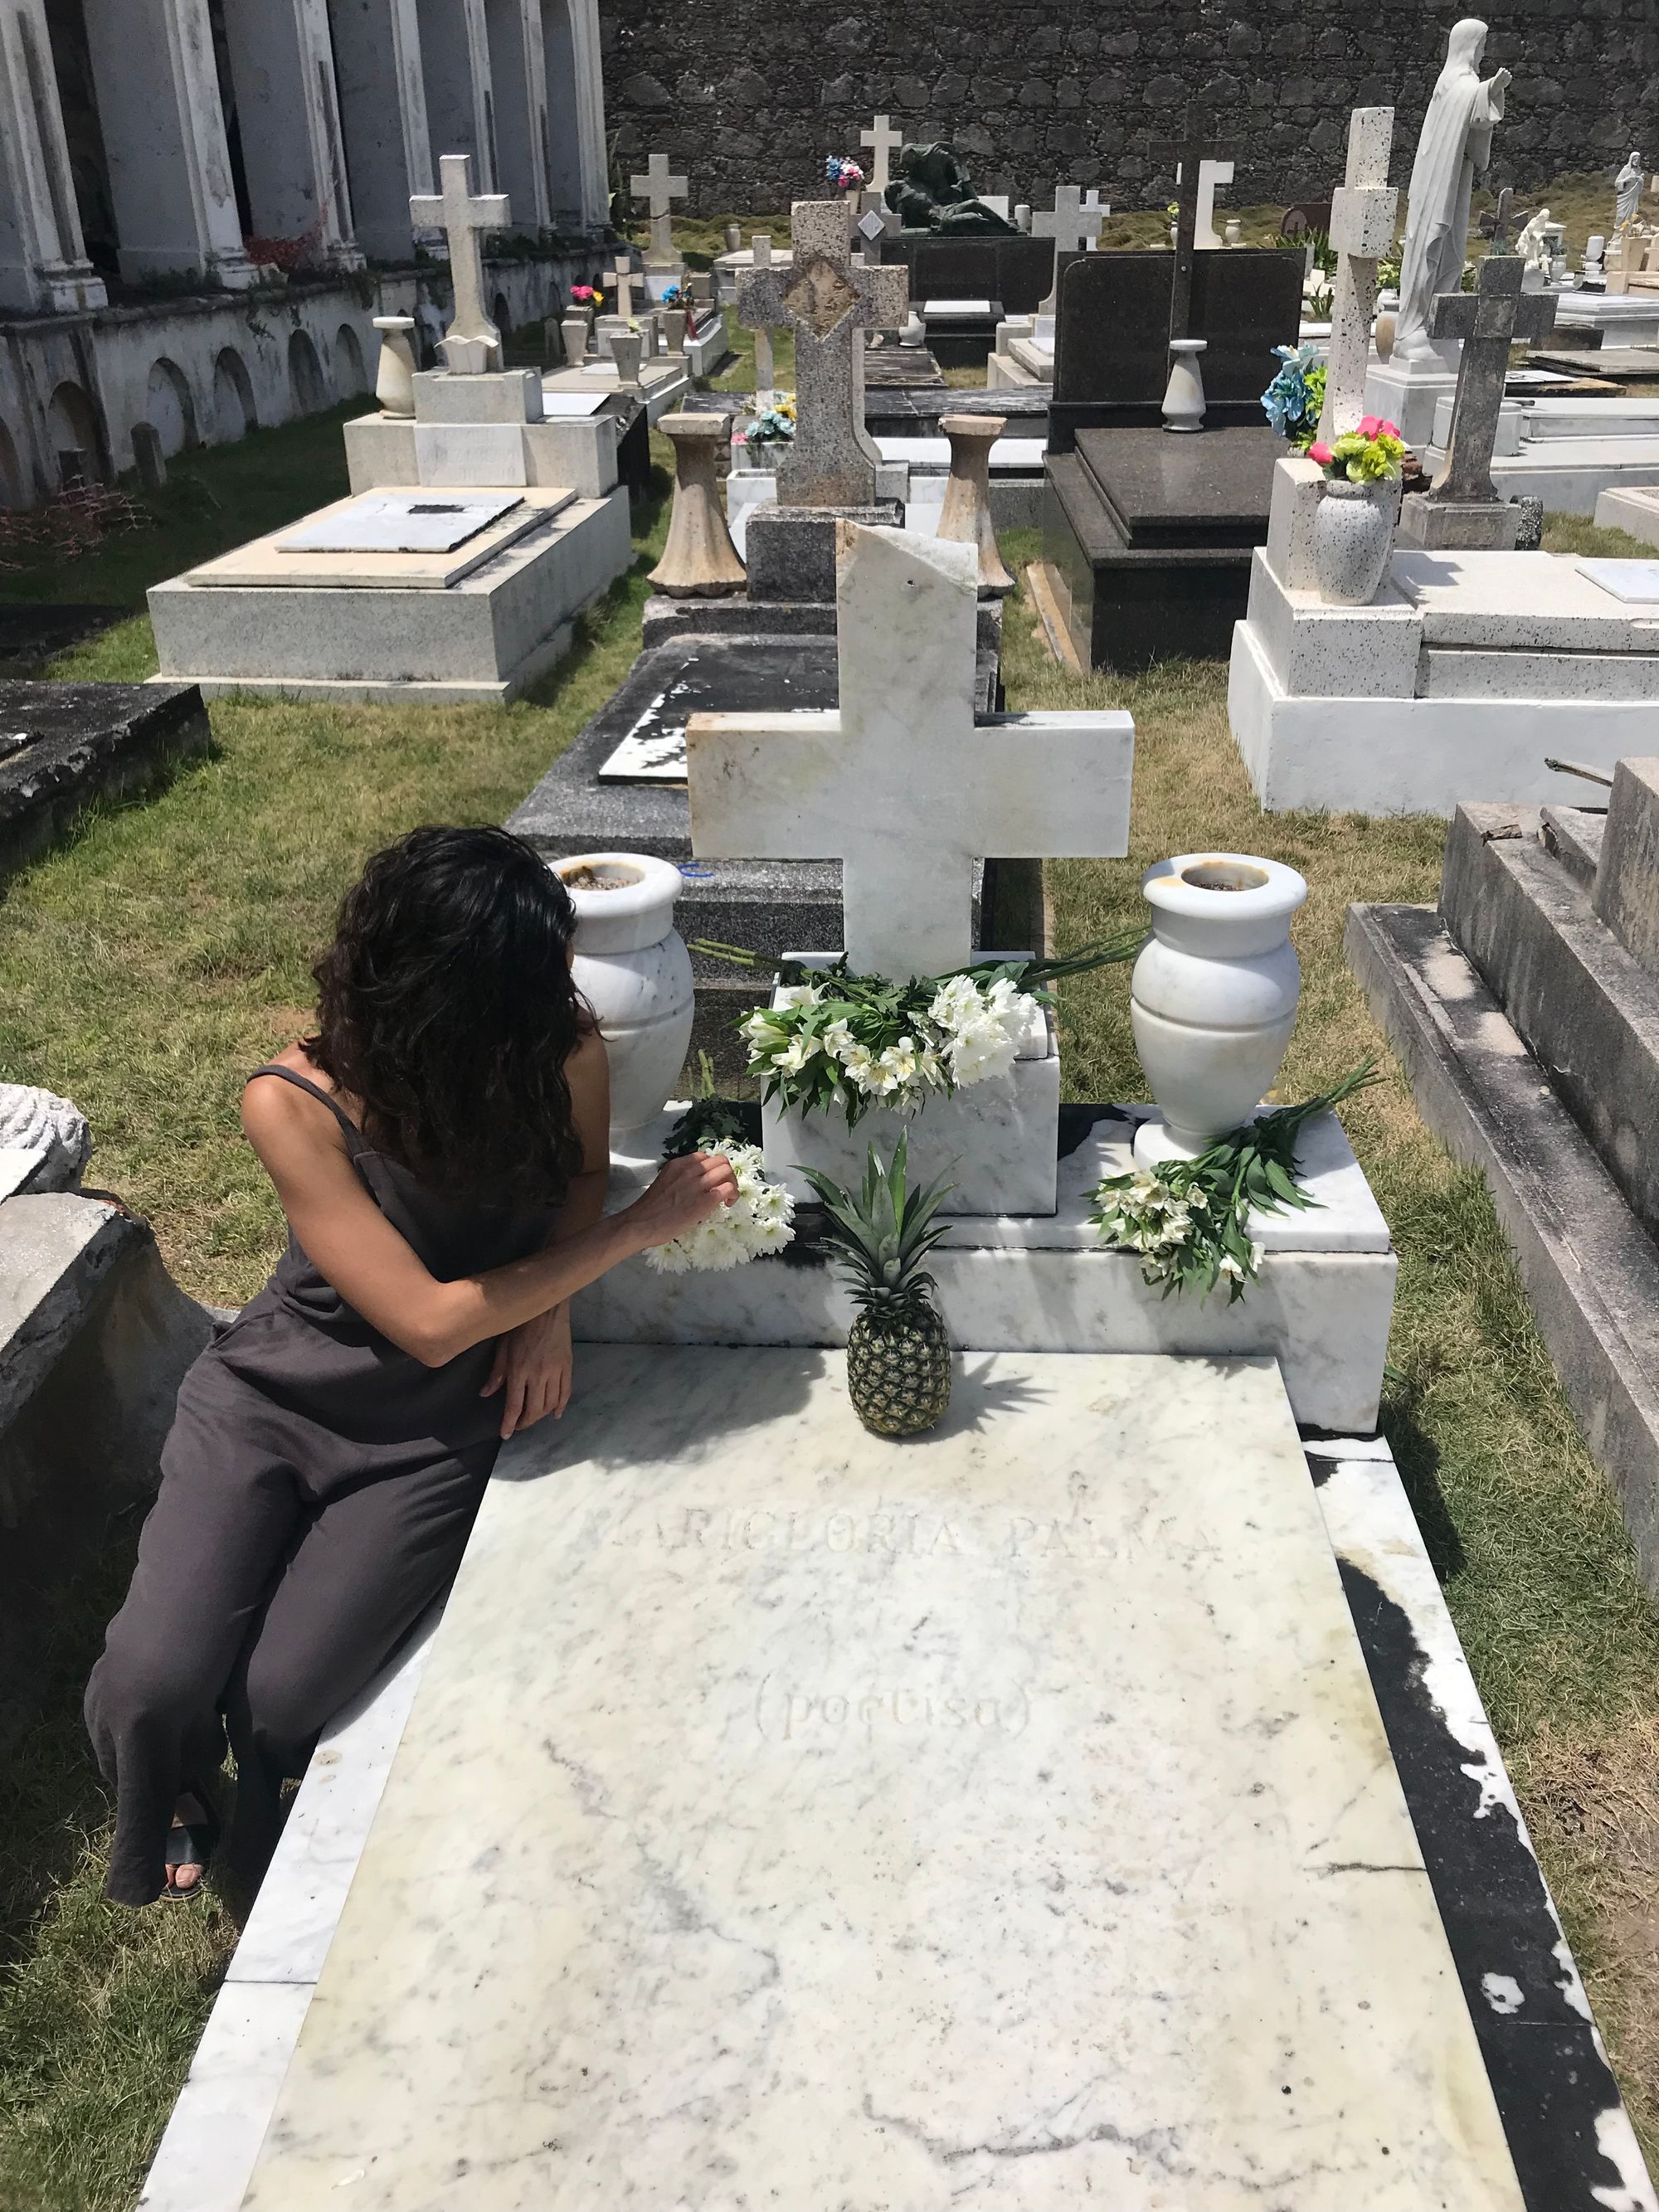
x: 1205, y: 237
x: 901, y: 784
x: 1072, y: 222
x: 829, y: 301
x: 1364, y: 209
x: 883, y: 142
x: 659, y: 188
x: 471, y: 343
x: 766, y: 374
x: 621, y: 273
x: 1489, y: 320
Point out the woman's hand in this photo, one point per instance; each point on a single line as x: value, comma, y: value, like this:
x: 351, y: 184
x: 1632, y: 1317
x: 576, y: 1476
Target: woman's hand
x: 686, y: 1191
x: 533, y: 1365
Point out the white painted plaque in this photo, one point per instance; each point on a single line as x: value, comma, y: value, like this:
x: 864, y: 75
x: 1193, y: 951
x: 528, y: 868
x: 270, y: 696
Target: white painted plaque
x: 1633, y: 581
x: 414, y: 521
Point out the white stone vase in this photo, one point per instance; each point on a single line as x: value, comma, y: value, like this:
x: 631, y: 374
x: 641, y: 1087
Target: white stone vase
x: 1184, y: 397
x: 1352, y: 538
x: 1213, y: 996
x: 633, y: 968
x: 394, y: 373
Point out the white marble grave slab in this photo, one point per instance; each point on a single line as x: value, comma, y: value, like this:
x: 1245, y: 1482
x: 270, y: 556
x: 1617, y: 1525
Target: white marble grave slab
x: 573, y: 403
x: 789, y: 1816
x: 1635, y: 582
x: 400, y: 522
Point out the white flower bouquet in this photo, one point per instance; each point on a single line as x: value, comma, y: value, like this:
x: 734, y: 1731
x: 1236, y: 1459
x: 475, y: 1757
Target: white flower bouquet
x: 759, y: 1220
x: 839, y: 1042
x: 1190, y: 1222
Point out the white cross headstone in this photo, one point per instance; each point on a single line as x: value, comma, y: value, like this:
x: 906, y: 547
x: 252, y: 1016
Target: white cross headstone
x: 1364, y: 209
x: 658, y: 189
x: 471, y: 343
x: 827, y: 301
x: 1099, y: 209
x: 622, y: 273
x: 1071, y: 223
x: 900, y: 783
x: 1210, y: 174
x: 883, y: 142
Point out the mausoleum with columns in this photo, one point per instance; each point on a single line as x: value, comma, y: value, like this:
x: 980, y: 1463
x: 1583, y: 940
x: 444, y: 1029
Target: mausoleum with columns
x: 203, y: 204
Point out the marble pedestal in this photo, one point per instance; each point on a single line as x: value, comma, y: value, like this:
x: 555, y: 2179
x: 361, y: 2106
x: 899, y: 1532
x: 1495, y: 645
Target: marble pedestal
x: 1465, y: 674
x: 1010, y: 1812
x: 1042, y: 1283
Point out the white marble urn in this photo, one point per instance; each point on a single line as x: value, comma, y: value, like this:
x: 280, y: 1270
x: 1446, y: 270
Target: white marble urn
x: 1353, y: 539
x: 394, y: 373
x: 632, y: 967
x: 1213, y: 996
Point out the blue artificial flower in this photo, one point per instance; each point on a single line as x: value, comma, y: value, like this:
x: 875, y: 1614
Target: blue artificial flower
x: 1285, y: 401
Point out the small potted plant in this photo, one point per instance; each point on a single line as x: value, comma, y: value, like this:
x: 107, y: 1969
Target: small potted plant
x: 898, y: 1356
x: 1353, y: 530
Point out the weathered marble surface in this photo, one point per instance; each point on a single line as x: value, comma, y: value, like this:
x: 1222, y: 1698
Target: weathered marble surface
x: 785, y: 1815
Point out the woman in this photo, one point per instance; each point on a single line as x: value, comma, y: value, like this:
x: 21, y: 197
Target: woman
x: 440, y: 1148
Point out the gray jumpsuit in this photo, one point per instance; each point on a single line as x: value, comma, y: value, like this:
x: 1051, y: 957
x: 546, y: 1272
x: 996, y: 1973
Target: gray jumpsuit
x: 317, y: 1492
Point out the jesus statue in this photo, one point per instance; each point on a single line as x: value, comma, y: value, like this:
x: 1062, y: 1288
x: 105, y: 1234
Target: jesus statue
x: 1455, y: 145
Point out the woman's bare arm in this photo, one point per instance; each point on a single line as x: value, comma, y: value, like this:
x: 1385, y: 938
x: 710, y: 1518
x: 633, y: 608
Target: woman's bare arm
x: 357, y: 1249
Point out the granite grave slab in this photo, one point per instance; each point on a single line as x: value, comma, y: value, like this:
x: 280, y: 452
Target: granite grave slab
x: 64, y: 745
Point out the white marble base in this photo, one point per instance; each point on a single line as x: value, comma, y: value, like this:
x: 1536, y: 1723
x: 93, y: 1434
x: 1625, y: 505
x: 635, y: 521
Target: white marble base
x: 479, y: 641
x: 1406, y: 393
x: 210, y: 2144
x: 1633, y: 508
x: 995, y: 1142
x: 1043, y: 1283
x: 579, y: 451
x: 886, y: 1818
x: 1470, y: 670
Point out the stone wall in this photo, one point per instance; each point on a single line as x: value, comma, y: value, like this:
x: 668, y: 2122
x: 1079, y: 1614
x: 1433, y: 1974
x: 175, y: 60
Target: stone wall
x: 749, y: 97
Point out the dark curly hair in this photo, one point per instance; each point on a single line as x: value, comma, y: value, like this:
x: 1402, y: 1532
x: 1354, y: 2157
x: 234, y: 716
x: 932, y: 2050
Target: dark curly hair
x: 446, y: 1005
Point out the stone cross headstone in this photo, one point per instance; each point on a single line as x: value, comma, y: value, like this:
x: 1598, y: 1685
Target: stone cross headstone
x: 1072, y: 222
x: 827, y: 301
x: 1364, y: 209
x: 1462, y: 508
x: 658, y: 189
x: 1206, y: 237
x: 900, y: 783
x: 883, y: 142
x: 471, y: 343
x: 1099, y: 209
x: 760, y: 250
x: 1500, y: 220
x: 622, y: 286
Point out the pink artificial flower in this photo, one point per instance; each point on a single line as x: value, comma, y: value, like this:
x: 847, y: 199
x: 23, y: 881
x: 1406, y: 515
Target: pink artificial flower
x: 1389, y: 429
x: 1370, y: 425
x: 1319, y: 451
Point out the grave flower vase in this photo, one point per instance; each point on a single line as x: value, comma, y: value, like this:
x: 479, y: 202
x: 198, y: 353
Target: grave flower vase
x: 633, y: 968
x: 1352, y: 538
x: 394, y: 373
x: 1213, y: 996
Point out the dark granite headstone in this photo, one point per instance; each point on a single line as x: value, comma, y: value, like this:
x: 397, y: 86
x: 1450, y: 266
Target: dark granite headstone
x: 79, y: 741
x: 1017, y: 270
x: 1111, y: 350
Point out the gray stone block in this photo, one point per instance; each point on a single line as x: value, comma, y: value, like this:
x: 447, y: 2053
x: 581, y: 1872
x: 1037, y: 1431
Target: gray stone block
x: 1459, y: 525
x: 1591, y: 1271
x: 791, y: 550
x: 1626, y: 894
x: 1585, y: 1010
x: 95, y: 1340
x: 85, y: 741
x: 507, y: 395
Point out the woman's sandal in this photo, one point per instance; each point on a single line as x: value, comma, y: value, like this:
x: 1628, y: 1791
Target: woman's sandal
x: 190, y: 1842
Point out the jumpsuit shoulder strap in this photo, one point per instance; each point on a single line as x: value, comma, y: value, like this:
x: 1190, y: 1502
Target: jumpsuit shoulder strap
x: 355, y: 1141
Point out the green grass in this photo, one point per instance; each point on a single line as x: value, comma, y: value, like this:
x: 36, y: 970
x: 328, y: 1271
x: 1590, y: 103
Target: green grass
x: 164, y: 948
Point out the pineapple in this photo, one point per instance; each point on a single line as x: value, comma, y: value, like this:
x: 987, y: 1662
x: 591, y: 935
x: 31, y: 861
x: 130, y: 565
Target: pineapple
x: 898, y: 1359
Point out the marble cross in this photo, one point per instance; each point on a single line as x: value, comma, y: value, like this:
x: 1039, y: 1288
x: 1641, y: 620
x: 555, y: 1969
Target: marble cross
x: 471, y: 343
x: 622, y: 289
x: 1205, y: 237
x: 900, y: 783
x: 827, y: 301
x: 1489, y: 320
x: 1071, y: 222
x: 1364, y: 210
x: 659, y: 188
x: 883, y: 142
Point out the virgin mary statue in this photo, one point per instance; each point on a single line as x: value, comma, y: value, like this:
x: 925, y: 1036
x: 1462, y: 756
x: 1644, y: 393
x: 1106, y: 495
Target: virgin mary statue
x: 1455, y: 145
